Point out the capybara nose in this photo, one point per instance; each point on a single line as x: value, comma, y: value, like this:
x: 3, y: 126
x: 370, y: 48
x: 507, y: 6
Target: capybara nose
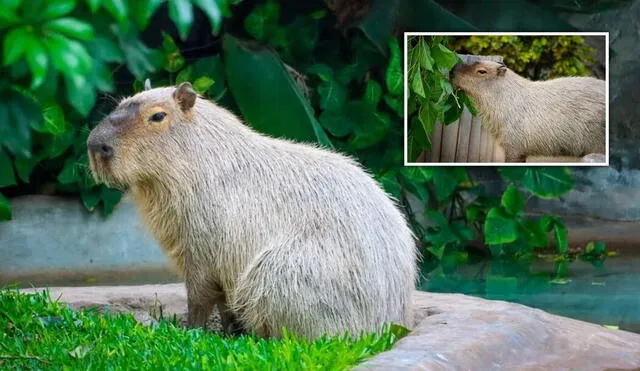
x: 102, y: 149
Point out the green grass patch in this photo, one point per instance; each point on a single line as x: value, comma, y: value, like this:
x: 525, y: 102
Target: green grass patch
x: 39, y: 333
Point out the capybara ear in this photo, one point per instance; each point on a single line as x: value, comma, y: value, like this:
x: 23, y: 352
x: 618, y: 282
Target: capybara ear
x: 501, y: 69
x: 185, y: 96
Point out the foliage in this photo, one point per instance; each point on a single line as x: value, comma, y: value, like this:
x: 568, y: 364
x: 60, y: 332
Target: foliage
x: 41, y: 333
x: 288, y: 72
x: 537, y: 57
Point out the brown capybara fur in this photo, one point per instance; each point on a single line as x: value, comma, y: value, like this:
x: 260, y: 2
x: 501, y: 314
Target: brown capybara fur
x: 272, y: 232
x: 564, y: 116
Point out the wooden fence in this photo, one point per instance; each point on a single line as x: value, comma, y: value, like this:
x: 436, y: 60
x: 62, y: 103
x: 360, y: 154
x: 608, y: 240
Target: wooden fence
x: 464, y: 140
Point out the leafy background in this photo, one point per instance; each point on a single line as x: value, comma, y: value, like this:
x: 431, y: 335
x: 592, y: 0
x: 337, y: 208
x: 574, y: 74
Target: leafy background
x: 336, y: 66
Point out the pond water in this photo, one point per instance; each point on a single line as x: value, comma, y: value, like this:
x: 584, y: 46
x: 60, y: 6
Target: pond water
x: 607, y: 295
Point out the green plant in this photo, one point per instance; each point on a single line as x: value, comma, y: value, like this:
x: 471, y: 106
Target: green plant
x: 537, y: 57
x: 309, y: 81
x: 38, y: 332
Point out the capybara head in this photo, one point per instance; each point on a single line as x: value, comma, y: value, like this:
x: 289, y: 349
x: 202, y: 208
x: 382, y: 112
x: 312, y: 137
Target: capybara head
x: 125, y: 146
x: 469, y: 76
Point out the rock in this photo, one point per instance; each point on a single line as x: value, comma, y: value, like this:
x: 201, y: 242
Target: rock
x: 467, y: 333
x: 453, y: 331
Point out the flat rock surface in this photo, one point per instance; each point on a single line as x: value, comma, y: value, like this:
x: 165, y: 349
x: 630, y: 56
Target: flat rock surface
x: 453, y: 332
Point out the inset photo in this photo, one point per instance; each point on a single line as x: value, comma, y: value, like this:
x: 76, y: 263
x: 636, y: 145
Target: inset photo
x: 506, y: 99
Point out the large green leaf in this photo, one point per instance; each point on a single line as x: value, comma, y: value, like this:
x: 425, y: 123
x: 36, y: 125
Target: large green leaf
x: 543, y: 182
x: 214, y: 9
x: 512, y: 200
x: 394, y: 75
x: 332, y: 95
x: 213, y: 68
x: 141, y: 11
x: 14, y: 46
x: 428, y: 15
x: 507, y: 15
x: 118, y: 8
x: 71, y: 27
x: 181, y: 13
x: 267, y: 95
x: 499, y: 228
x: 57, y: 8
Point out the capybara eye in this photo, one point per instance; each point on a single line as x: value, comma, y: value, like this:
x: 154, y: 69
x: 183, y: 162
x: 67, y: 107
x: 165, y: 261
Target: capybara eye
x: 482, y: 72
x: 157, y: 117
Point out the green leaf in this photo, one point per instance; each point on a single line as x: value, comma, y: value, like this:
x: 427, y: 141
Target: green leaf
x: 37, y: 60
x: 389, y: 182
x: 512, y: 201
x: 7, y: 178
x: 416, y: 82
x: 418, y: 174
x: 419, y: 190
x: 464, y: 98
x: 69, y: 56
x: 261, y: 86
x: 444, y: 181
x: 443, y: 57
x: 14, y: 45
x: 181, y: 13
x: 511, y: 17
x: 562, y: 237
x: 54, y: 122
x: 533, y: 232
x: 452, y: 110
x: 94, y: 5
x: 499, y: 228
x: 90, y: 198
x: 5, y: 208
x: 379, y: 23
x: 140, y: 59
x: 185, y: 75
x: 202, y: 84
x: 117, y: 8
x: 105, y: 49
x: 71, y: 27
x: 543, y: 182
x: 336, y: 123
x: 324, y: 72
x: 69, y: 173
x: 80, y: 94
x: 110, y: 198
x: 373, y: 92
x: 214, y: 9
x: 213, y: 68
x: 394, y: 69
x: 369, y: 126
x: 423, y: 55
x: 395, y: 103
x: 263, y: 20
x: 427, y: 116
x: 332, y: 95
x: 24, y: 167
x: 428, y: 15
x: 8, y: 17
x: 142, y: 11
x: 58, y: 8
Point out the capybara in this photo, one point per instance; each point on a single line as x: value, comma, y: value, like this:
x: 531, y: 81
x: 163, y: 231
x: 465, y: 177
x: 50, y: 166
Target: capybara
x: 564, y: 116
x: 273, y: 232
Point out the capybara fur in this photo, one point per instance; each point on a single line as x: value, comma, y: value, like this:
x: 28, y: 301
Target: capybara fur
x: 273, y: 232
x: 558, y: 117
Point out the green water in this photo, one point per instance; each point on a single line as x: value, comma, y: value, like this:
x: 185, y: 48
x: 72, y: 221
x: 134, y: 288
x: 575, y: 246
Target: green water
x: 606, y: 295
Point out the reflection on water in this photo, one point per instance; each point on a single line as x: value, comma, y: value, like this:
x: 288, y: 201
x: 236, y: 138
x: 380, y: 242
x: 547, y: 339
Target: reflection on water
x: 607, y: 295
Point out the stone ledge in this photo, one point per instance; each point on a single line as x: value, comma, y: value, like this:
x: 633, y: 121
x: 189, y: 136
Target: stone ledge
x: 453, y: 332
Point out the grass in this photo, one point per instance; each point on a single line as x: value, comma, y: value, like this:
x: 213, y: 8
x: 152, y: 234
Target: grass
x: 39, y: 333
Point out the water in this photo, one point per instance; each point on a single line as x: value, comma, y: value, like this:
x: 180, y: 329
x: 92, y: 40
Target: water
x: 607, y: 295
